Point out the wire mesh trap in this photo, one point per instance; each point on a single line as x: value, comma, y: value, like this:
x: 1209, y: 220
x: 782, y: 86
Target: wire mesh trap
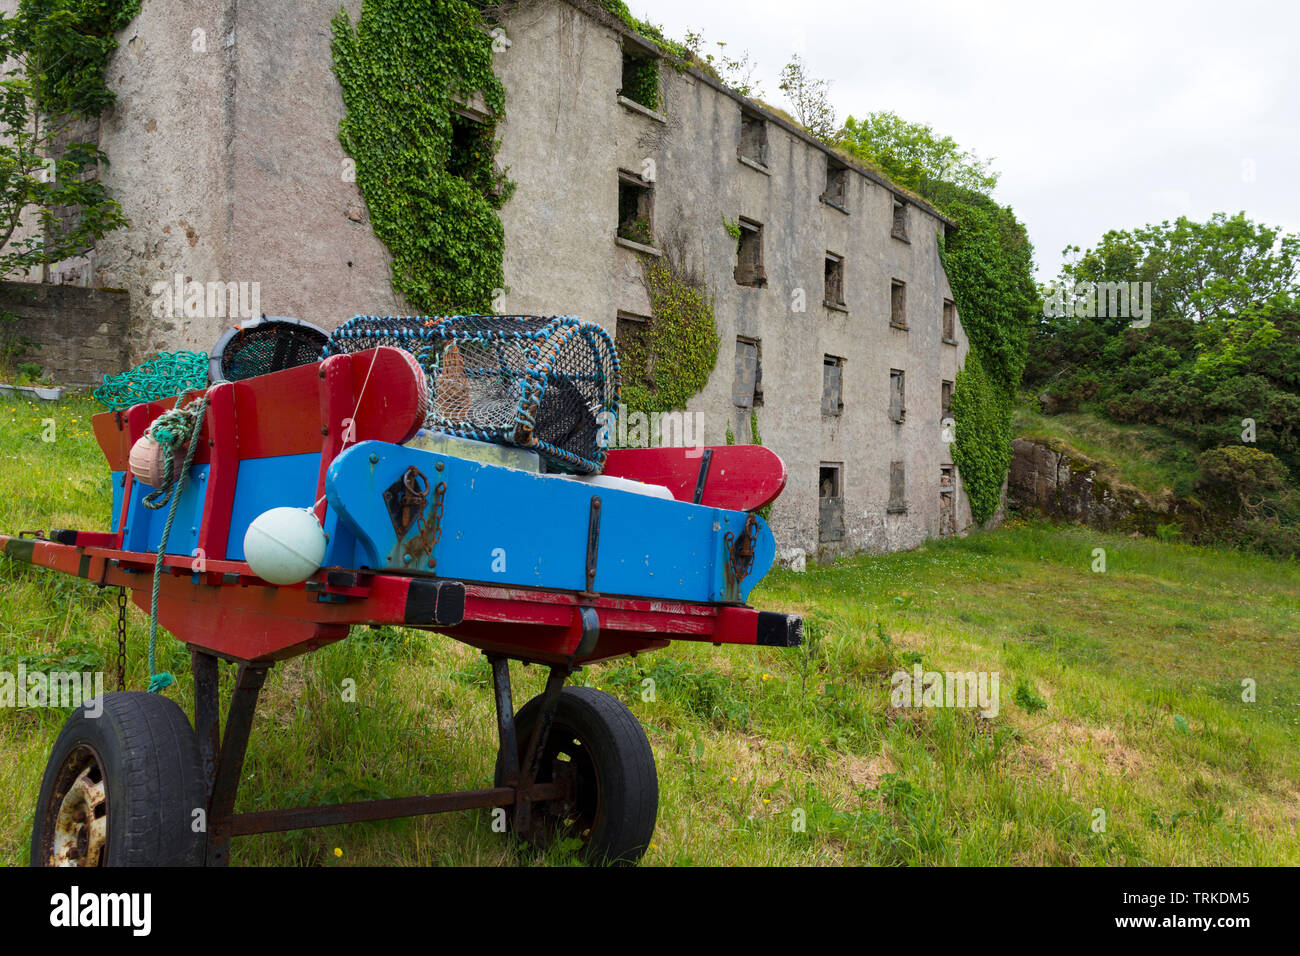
x: 536, y: 382
x: 261, y: 346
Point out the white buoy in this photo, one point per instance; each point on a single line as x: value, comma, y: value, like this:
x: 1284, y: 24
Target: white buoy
x: 284, y: 545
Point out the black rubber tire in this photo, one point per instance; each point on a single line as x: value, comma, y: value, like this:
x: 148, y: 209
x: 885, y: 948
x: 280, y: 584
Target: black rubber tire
x: 148, y: 758
x: 619, y: 790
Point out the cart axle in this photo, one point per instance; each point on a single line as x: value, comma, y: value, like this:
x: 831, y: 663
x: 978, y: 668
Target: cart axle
x: 222, y: 760
x: 302, y: 818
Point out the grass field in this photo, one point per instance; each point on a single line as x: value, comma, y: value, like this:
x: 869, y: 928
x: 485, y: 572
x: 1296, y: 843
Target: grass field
x: 1122, y: 735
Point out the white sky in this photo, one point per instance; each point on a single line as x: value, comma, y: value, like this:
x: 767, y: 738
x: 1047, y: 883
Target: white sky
x: 1103, y: 115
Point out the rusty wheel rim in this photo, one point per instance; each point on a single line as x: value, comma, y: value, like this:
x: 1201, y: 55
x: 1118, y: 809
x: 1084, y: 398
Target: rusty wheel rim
x: 568, y: 762
x: 77, y: 815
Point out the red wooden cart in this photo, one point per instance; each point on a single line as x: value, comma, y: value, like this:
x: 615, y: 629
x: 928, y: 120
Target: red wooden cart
x: 128, y: 787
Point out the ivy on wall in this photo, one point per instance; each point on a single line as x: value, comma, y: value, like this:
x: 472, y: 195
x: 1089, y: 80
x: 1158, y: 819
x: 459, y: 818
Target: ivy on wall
x: 672, y: 361
x: 426, y: 172
x: 982, y: 451
x: 641, y: 81
x: 989, y: 264
x: 72, y: 41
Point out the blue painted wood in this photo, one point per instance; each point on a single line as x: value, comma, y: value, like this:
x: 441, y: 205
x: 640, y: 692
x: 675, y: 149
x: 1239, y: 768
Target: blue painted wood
x: 119, y: 487
x: 145, y: 526
x: 281, y: 481
x: 505, y: 526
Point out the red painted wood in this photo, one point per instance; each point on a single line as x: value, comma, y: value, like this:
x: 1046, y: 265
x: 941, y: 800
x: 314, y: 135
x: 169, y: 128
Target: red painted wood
x: 251, y: 620
x: 280, y: 413
x: 98, y: 539
x: 335, y: 400
x: 285, y: 409
x: 110, y: 432
x: 240, y: 634
x: 223, y: 453
x: 740, y: 478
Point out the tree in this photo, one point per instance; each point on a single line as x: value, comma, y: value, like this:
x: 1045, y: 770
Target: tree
x: 914, y: 155
x: 54, y: 54
x: 810, y: 100
x: 737, y: 73
x: 1221, y: 352
x: 1225, y: 267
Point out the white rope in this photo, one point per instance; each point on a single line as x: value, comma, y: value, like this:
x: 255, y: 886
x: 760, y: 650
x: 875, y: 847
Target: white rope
x: 355, y: 408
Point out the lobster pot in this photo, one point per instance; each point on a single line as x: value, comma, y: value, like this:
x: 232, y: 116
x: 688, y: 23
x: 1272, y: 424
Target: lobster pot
x: 265, y: 345
x: 547, y: 384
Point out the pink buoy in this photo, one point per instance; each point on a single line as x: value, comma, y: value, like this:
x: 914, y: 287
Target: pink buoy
x: 146, y: 461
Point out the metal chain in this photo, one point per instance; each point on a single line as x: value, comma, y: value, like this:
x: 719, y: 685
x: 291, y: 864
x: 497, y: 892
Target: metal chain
x: 740, y: 551
x: 121, y: 638
x: 439, y: 494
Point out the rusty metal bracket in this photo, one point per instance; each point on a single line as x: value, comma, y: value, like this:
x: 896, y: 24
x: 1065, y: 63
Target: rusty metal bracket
x: 430, y: 533
x: 704, y: 475
x: 740, y: 550
x: 230, y: 760
x: 532, y: 762
x: 406, y: 499
x: 593, y: 544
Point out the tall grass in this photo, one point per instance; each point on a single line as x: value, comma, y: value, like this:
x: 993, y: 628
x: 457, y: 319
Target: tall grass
x: 1144, y: 753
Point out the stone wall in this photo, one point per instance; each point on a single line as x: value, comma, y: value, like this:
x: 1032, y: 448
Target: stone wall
x: 77, y: 335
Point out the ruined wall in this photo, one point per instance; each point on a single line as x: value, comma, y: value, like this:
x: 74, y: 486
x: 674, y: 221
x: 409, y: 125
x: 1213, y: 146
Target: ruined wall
x: 225, y: 156
x: 77, y: 335
x: 224, y: 153
x: 566, y: 137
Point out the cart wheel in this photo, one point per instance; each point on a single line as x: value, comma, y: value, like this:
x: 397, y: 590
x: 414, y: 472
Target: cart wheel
x: 121, y: 788
x: 596, y: 743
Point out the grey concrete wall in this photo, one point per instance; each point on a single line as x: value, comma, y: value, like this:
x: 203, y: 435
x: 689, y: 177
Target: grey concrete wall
x: 225, y: 156
x: 227, y: 162
x: 169, y: 140
x: 564, y: 140
x: 77, y: 335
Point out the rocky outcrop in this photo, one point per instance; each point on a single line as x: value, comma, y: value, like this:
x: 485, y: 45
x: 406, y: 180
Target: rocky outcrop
x: 1050, y: 478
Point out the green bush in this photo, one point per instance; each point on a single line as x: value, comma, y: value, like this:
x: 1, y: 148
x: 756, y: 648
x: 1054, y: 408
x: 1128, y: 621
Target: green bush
x: 1254, y: 493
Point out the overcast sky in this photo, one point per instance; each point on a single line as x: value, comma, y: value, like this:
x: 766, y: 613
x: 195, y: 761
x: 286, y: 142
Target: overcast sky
x: 1101, y: 115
